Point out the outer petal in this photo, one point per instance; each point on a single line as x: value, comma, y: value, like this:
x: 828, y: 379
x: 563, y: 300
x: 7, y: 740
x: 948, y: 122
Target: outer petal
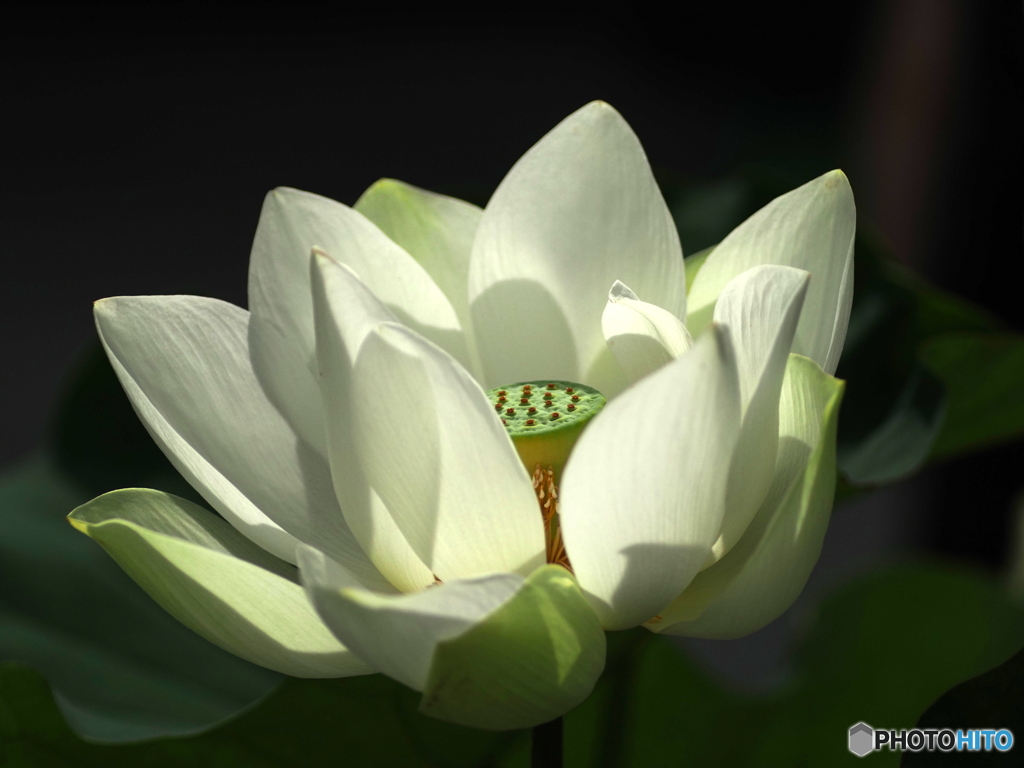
x: 438, y: 456
x: 811, y: 228
x: 346, y: 311
x: 767, y: 569
x: 533, y: 659
x: 761, y: 308
x: 184, y: 362
x: 216, y: 582
x: 291, y: 224
x: 579, y: 211
x: 397, y: 634
x: 644, y: 490
x: 436, y: 230
x: 494, y: 652
x: 642, y: 337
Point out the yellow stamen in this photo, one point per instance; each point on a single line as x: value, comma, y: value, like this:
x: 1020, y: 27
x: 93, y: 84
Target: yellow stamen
x: 547, y: 497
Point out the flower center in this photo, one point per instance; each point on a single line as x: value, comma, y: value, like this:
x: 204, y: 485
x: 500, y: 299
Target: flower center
x: 544, y: 420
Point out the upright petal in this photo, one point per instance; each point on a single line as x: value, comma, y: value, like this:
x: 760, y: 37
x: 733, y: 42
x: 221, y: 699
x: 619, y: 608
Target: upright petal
x: 761, y: 308
x: 579, y: 211
x: 345, y: 312
x: 291, y: 224
x: 763, y: 574
x: 644, y: 490
x: 216, y: 582
x: 436, y: 230
x: 642, y: 337
x: 440, y: 459
x: 184, y: 362
x: 811, y: 228
x: 494, y: 652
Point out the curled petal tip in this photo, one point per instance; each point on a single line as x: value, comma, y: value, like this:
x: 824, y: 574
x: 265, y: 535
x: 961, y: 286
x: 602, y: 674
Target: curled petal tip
x: 620, y: 290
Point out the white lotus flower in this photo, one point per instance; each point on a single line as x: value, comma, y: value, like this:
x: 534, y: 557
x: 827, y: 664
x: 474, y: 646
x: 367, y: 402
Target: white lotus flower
x: 375, y: 513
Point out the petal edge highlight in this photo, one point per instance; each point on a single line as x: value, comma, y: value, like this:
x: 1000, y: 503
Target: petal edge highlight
x: 767, y: 569
x: 811, y: 228
x: 578, y: 211
x: 643, y: 494
x: 215, y: 581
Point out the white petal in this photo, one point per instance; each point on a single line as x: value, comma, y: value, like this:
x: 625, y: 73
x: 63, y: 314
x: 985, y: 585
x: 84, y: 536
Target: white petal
x: 436, y: 230
x: 184, y: 362
x: 761, y: 308
x: 288, y: 379
x: 216, y: 582
x: 346, y: 311
x: 579, y: 211
x: 397, y: 635
x: 291, y: 224
x: 642, y: 336
x: 767, y: 569
x: 811, y: 228
x: 644, y: 490
x: 440, y: 459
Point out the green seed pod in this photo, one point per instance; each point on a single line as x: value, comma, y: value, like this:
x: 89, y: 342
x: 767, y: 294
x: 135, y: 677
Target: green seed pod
x: 545, y: 418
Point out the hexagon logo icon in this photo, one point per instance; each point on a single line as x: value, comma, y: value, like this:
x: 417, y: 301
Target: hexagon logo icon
x: 862, y: 737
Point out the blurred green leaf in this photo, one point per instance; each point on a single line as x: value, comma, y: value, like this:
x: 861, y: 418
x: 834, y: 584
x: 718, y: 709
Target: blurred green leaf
x: 122, y: 667
x: 903, y: 440
x: 706, y: 213
x: 895, y: 405
x: 360, y: 721
x: 991, y: 700
x: 880, y: 650
x: 984, y: 377
x: 98, y: 441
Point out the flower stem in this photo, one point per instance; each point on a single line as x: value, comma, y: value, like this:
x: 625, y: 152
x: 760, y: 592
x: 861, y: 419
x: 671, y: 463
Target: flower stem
x: 546, y: 751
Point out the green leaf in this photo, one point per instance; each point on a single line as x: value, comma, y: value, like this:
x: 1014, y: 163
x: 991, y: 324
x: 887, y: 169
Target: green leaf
x: 887, y: 646
x: 903, y: 441
x: 123, y: 667
x: 880, y: 650
x: 991, y: 700
x: 706, y: 213
x: 97, y: 440
x: 528, y: 662
x: 896, y: 403
x: 984, y: 378
x: 362, y: 721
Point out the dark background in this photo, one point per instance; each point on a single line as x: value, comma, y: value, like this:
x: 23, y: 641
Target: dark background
x: 138, y: 144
